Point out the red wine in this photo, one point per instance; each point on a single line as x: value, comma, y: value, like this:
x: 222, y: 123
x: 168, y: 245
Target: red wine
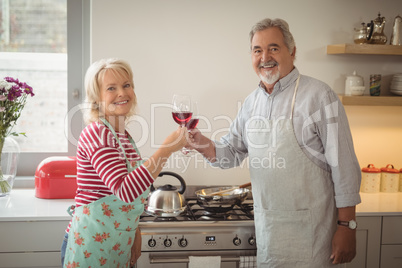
x: 182, y: 118
x: 192, y: 123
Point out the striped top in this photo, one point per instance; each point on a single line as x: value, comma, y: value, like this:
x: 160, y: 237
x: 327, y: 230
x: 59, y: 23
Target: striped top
x: 102, y: 170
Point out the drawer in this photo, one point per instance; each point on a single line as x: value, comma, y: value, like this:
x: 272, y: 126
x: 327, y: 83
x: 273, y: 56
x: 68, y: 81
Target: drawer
x: 30, y: 259
x: 391, y: 256
x: 392, y: 230
x: 31, y: 236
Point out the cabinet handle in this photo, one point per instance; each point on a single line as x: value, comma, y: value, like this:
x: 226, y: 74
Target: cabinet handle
x: 186, y: 260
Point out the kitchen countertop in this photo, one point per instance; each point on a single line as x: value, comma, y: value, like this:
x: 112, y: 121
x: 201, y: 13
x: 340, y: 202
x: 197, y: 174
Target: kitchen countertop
x: 22, y: 205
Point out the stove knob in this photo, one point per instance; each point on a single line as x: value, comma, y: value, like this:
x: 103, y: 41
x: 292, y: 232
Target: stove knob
x: 167, y: 242
x: 251, y: 240
x: 236, y: 241
x: 151, y: 242
x: 183, y: 242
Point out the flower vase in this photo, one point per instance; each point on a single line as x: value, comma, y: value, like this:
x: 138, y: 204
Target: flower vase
x: 10, y: 152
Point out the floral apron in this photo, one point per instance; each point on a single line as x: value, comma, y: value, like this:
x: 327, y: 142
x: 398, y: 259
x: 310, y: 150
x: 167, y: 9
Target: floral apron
x: 294, y: 207
x: 102, y: 232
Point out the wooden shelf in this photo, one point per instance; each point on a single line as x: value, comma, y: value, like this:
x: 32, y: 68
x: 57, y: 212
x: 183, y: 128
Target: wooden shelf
x: 365, y: 49
x: 371, y: 100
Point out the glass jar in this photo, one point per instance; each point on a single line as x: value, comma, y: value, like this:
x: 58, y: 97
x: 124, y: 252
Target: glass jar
x: 371, y: 179
x: 10, y: 152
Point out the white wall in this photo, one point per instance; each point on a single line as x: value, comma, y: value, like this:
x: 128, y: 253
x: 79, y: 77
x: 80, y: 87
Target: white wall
x: 201, y: 48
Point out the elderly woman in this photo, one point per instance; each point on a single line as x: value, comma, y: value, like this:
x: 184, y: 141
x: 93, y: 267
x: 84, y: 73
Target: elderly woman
x: 113, y: 180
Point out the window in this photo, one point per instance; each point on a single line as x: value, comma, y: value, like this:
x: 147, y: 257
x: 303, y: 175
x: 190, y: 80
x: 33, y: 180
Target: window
x: 45, y: 43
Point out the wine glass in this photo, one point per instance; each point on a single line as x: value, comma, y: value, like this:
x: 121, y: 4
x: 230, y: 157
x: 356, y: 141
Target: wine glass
x: 181, y: 111
x: 191, y: 124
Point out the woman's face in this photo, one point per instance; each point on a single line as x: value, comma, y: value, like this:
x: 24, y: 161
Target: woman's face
x: 116, y: 94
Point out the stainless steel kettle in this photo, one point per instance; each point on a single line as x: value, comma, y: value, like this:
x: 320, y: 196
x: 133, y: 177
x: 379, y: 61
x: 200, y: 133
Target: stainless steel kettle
x: 166, y: 201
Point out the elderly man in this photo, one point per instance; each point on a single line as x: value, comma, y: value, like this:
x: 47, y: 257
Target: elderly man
x: 304, y: 172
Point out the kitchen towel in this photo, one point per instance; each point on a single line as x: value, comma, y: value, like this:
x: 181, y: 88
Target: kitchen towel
x: 248, y: 261
x: 204, y: 262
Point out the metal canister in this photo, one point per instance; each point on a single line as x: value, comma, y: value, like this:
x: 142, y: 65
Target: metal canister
x: 375, y: 84
x: 389, y: 179
x: 371, y: 179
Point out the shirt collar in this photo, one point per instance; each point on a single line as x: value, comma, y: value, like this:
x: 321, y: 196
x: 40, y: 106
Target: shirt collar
x: 283, y: 83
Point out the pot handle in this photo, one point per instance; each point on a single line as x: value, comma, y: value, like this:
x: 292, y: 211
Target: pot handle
x: 371, y: 30
x: 182, y: 182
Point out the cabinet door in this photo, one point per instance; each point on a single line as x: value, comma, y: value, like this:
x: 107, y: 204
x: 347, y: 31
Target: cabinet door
x: 30, y: 260
x: 31, y: 236
x: 368, y: 237
x: 31, y: 243
x: 391, y: 249
x: 392, y: 230
x: 391, y: 256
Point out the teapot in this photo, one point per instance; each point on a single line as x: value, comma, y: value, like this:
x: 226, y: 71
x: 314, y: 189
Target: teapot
x: 375, y: 30
x: 360, y: 36
x: 166, y: 201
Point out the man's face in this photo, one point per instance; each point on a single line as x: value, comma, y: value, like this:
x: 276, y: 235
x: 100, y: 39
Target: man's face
x: 270, y: 56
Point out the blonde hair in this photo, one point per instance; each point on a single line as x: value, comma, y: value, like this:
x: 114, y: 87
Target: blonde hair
x: 93, y: 79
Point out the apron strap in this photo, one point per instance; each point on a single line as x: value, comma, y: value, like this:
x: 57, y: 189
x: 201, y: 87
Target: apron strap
x: 70, y: 210
x: 294, y: 97
x: 138, y: 163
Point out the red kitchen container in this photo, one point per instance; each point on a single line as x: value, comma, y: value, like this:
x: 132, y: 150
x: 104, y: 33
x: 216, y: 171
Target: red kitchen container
x: 56, y: 178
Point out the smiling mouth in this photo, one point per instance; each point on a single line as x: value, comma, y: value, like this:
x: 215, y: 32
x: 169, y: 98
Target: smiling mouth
x: 121, y: 102
x: 270, y: 64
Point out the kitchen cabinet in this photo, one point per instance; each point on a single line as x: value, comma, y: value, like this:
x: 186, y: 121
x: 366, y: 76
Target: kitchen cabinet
x: 391, y: 242
x: 368, y: 236
x: 31, y: 243
x: 32, y: 229
x: 367, y: 49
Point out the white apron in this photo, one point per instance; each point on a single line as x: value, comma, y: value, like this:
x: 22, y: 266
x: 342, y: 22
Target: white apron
x: 294, y: 206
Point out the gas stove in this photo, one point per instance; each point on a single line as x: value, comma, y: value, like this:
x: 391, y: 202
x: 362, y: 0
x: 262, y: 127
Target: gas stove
x: 195, y: 212
x: 198, y: 232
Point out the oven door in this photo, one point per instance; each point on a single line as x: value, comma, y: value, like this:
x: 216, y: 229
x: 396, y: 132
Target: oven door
x: 180, y: 259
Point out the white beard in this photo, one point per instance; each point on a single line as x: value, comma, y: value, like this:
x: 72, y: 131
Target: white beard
x: 269, y: 79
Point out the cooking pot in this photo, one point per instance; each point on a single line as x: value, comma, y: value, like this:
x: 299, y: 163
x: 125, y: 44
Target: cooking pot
x: 223, y: 202
x: 166, y: 201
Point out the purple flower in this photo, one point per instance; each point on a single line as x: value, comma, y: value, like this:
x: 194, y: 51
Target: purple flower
x: 13, y: 96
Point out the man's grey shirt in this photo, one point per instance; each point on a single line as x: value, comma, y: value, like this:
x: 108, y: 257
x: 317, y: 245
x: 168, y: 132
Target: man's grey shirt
x: 321, y: 129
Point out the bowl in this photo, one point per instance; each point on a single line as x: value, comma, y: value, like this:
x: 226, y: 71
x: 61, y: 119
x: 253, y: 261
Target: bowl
x: 357, y: 90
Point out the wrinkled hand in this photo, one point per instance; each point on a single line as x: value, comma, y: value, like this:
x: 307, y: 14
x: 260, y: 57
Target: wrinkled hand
x: 343, y: 245
x: 194, y: 139
x: 136, y: 248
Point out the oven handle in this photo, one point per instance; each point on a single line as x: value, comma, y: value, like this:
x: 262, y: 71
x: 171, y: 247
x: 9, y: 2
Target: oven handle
x: 186, y: 260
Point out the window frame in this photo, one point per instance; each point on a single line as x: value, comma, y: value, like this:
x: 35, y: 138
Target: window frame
x: 78, y: 60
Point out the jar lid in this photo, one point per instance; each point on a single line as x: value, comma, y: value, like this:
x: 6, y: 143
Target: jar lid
x: 389, y: 170
x: 354, y: 74
x: 371, y: 169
